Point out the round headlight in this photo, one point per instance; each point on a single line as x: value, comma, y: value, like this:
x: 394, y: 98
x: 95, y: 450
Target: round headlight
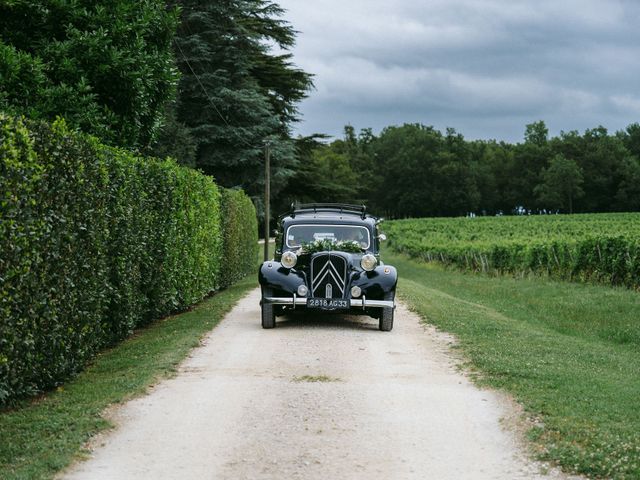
x: 289, y: 259
x: 368, y: 262
x: 302, y: 291
x: 356, y: 291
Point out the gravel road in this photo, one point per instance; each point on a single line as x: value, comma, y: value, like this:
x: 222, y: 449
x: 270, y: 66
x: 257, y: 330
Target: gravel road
x: 245, y: 406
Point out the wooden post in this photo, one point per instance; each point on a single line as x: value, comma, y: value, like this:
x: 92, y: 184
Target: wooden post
x: 267, y: 198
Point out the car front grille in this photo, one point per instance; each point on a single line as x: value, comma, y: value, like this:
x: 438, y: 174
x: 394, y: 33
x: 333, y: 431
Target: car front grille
x: 328, y: 275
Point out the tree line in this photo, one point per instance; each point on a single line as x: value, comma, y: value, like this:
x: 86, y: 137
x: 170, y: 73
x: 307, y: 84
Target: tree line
x: 415, y: 170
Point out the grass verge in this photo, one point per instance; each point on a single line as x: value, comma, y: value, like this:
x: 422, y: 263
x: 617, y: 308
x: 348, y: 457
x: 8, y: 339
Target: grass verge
x: 569, y: 353
x: 42, y: 436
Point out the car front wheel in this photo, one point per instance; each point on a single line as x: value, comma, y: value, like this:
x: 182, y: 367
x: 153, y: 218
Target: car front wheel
x: 386, y: 319
x: 268, y: 314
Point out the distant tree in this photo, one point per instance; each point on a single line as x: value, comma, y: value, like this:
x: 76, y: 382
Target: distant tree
x: 323, y: 175
x: 570, y: 144
x: 332, y: 172
x: 403, y: 157
x: 530, y: 158
x: 454, y: 185
x: 420, y: 172
x: 561, y: 183
x: 456, y: 175
x: 106, y: 66
x: 498, y: 176
x: 628, y: 195
x: 631, y: 139
x: 536, y: 133
x: 359, y: 151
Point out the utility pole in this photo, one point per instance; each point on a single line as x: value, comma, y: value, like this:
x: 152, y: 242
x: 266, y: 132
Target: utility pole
x: 267, y: 197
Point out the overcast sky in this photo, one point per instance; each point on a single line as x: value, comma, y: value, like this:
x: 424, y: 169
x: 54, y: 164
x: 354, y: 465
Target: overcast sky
x: 486, y: 68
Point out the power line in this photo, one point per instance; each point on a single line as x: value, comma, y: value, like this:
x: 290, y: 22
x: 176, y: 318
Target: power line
x: 204, y: 90
x: 266, y: 145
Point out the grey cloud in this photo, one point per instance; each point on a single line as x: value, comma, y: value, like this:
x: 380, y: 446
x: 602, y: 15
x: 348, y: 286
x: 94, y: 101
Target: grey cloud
x: 478, y: 66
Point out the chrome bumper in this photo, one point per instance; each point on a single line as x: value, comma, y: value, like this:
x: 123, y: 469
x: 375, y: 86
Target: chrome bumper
x: 355, y: 302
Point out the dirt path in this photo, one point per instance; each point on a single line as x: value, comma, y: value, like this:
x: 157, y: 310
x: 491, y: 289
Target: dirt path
x: 392, y: 406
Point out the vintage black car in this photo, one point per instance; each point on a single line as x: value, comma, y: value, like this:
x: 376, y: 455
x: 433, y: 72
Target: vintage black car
x: 327, y: 259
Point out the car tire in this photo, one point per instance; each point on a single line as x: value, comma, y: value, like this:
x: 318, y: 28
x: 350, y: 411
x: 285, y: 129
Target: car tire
x: 268, y: 313
x: 386, y: 319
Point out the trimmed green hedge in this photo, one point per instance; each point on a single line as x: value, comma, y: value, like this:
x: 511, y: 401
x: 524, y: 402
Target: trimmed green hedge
x: 240, y: 236
x: 95, y: 242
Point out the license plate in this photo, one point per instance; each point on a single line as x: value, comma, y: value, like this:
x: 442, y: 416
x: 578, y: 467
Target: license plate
x: 328, y: 303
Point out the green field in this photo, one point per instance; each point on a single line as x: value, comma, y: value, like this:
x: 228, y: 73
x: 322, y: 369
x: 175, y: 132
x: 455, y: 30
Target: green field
x: 602, y: 248
x: 568, y: 352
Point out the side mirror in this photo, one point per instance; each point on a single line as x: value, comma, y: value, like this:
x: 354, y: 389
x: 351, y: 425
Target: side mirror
x: 382, y: 237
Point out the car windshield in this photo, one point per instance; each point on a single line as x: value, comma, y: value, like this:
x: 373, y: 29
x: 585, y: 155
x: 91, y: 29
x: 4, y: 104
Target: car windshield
x: 299, y: 234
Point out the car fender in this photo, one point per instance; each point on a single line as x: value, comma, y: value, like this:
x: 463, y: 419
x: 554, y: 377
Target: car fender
x: 272, y: 274
x: 376, y: 283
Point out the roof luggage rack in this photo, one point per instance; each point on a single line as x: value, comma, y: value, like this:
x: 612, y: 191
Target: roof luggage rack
x: 328, y: 207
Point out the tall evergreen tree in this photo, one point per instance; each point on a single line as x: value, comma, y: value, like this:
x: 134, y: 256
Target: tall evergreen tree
x: 235, y: 93
x: 601, y: 162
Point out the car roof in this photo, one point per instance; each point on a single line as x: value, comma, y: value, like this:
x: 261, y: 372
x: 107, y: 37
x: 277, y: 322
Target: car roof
x: 320, y: 218
x: 327, y: 211
x: 334, y: 213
